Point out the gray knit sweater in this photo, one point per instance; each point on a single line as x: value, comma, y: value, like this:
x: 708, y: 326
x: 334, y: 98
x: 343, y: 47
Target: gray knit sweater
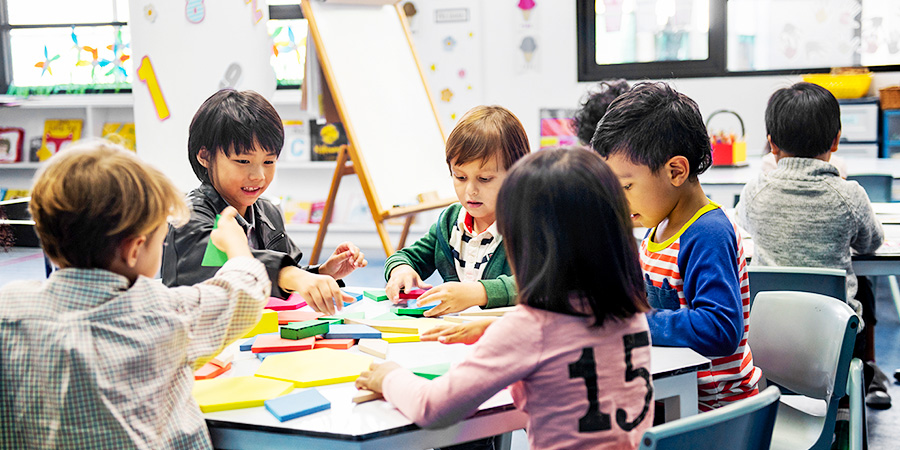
x: 804, y: 214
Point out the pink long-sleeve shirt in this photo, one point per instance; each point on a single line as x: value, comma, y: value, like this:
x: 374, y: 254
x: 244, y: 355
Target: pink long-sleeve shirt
x: 571, y: 379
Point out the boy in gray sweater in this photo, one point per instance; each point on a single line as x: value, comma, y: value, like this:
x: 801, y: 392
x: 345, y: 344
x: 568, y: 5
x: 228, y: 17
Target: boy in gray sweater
x: 803, y: 213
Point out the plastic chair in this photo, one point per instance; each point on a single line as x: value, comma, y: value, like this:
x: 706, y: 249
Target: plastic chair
x: 743, y: 425
x: 804, y: 343
x: 818, y: 280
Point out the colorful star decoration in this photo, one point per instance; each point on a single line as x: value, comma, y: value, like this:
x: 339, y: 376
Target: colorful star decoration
x: 45, y: 64
x: 446, y: 95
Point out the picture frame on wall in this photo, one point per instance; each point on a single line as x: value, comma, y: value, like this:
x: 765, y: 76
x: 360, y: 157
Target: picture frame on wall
x: 11, y: 143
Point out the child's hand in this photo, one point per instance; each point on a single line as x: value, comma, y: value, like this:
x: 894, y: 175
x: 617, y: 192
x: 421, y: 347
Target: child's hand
x: 345, y: 259
x: 371, y: 379
x: 454, y: 296
x: 405, y: 278
x: 321, y: 292
x: 229, y: 236
x: 465, y: 333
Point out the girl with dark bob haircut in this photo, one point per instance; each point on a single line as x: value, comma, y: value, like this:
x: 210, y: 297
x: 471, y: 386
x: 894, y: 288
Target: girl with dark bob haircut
x: 576, y: 348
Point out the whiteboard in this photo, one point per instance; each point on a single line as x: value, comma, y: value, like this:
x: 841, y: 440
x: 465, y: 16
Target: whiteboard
x: 384, y: 103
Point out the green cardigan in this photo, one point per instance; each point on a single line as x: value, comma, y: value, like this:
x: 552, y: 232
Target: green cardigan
x: 432, y: 252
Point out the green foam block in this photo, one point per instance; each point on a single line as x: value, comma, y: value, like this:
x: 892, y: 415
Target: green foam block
x: 213, y: 257
x: 302, y: 330
x: 376, y: 294
x: 433, y: 371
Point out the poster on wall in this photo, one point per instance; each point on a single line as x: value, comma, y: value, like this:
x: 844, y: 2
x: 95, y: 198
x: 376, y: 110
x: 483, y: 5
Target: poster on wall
x: 447, y: 37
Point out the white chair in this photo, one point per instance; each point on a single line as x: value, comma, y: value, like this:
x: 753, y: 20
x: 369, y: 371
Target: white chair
x: 743, y: 425
x: 803, y: 342
x: 818, y: 280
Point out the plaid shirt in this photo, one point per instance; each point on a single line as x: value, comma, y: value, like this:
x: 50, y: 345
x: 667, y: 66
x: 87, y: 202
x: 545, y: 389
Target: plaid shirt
x: 87, y: 362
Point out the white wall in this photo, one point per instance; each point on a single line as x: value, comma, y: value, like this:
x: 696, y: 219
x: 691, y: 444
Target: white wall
x: 553, y: 83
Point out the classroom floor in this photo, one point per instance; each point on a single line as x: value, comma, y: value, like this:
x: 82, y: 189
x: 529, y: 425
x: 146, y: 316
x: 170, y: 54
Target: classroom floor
x: 884, y: 425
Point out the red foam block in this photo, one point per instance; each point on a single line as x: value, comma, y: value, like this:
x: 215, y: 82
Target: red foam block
x: 292, y: 302
x: 269, y: 343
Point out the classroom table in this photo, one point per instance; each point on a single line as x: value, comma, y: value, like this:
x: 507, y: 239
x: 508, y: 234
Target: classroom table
x: 378, y: 424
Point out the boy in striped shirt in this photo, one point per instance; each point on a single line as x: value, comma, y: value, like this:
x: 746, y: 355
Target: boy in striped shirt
x: 655, y: 141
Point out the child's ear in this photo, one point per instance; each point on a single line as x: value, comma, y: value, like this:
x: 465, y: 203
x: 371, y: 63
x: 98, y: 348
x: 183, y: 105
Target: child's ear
x: 678, y: 169
x: 203, y: 157
x: 130, y: 249
x: 834, y: 145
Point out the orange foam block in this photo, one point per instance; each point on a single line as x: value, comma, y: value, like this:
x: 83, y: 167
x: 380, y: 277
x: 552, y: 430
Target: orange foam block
x: 286, y: 317
x: 210, y: 370
x: 268, y: 323
x: 337, y: 344
x: 269, y: 343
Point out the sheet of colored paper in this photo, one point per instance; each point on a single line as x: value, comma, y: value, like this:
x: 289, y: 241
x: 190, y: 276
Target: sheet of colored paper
x: 316, y: 367
x: 266, y: 343
x: 213, y: 257
x: 292, y: 406
x: 221, y: 394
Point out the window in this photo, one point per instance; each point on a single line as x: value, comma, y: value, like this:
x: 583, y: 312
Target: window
x: 65, y: 46
x: 692, y: 38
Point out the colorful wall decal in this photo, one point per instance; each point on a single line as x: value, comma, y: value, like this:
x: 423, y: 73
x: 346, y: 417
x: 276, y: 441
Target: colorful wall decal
x: 45, y: 64
x: 449, y: 43
x: 147, y: 75
x: 232, y: 76
x: 526, y: 6
x: 257, y: 13
x: 528, y: 47
x: 195, y: 11
x: 446, y: 95
x: 150, y: 12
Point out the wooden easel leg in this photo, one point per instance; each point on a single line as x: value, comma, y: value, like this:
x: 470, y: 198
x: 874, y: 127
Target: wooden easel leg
x: 385, y: 239
x: 339, y: 171
x: 405, y: 233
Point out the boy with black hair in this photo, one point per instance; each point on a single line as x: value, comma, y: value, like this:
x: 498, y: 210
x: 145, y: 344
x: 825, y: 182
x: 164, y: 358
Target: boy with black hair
x: 803, y: 213
x: 654, y: 140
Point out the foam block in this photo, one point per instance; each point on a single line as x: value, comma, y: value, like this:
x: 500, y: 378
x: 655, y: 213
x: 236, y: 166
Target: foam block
x: 337, y: 344
x: 275, y: 343
x: 365, y: 395
x: 433, y: 371
x: 210, y: 370
x: 301, y: 330
x: 291, y: 406
x: 415, y: 293
x: 286, y: 317
x: 352, y: 332
x: 390, y: 326
x: 268, y: 323
x: 291, y: 303
x: 223, y: 359
x: 316, y: 367
x: 488, y: 312
x: 374, y: 347
x: 376, y: 294
x: 247, y: 345
x: 342, y: 316
x: 388, y: 316
x: 264, y: 355
x: 396, y: 338
x: 357, y: 295
x: 221, y: 394
x: 412, y: 312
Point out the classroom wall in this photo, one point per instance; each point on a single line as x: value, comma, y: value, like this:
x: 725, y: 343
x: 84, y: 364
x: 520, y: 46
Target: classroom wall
x: 552, y: 81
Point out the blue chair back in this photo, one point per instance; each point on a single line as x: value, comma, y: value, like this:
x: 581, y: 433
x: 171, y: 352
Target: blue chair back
x: 879, y: 187
x: 743, y: 425
x: 830, y: 282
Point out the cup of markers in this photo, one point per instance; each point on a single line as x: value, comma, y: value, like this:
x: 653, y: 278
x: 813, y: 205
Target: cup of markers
x: 728, y: 149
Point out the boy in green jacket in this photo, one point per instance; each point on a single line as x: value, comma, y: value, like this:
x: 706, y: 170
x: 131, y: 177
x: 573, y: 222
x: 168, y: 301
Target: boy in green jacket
x: 464, y: 246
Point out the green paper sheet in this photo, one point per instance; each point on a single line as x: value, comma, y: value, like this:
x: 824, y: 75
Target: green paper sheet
x: 213, y: 257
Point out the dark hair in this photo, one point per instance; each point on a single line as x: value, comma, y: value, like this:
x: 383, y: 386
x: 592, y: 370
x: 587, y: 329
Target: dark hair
x: 232, y: 122
x: 652, y: 123
x: 487, y: 132
x: 594, y: 107
x: 567, y: 230
x: 803, y: 120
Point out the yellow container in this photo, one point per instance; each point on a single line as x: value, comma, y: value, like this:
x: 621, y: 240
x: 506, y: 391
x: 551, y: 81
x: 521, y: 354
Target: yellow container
x: 842, y: 85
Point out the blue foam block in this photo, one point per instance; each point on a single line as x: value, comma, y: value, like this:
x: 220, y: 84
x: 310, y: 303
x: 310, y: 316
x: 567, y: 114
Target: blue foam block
x: 357, y: 295
x: 263, y: 356
x: 352, y: 332
x: 291, y: 406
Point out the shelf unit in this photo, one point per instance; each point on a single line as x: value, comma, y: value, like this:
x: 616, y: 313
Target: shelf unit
x: 891, y: 133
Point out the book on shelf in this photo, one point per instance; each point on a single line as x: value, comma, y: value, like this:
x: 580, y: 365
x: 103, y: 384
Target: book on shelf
x: 58, y: 134
x: 295, y: 211
x: 119, y: 133
x: 327, y: 140
x: 296, y: 141
x: 11, y: 143
x: 10, y: 194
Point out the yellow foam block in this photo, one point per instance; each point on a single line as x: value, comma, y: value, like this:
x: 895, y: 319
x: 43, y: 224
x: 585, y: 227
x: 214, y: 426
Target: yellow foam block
x: 268, y: 323
x: 391, y: 326
x: 221, y: 394
x: 424, y: 324
x: 399, y: 337
x: 316, y: 367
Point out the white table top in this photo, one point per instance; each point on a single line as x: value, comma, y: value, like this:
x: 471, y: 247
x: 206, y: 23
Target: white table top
x: 346, y: 420
x: 742, y: 175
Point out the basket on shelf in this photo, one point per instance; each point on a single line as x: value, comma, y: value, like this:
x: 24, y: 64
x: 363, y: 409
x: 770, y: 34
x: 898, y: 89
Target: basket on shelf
x: 890, y: 97
x: 842, y: 85
x: 727, y: 148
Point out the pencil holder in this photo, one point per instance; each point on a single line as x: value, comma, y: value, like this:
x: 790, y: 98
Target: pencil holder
x: 727, y: 148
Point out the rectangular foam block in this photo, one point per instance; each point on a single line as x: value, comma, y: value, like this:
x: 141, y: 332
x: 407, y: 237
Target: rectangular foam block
x: 301, y: 330
x: 210, y: 370
x: 341, y: 317
x: 286, y: 317
x: 433, y: 371
x: 400, y: 337
x: 263, y: 356
x: 415, y: 293
x: 275, y: 343
x: 352, y: 332
x: 376, y: 294
x: 292, y: 302
x: 365, y: 395
x: 374, y: 347
x: 337, y: 344
x: 291, y: 406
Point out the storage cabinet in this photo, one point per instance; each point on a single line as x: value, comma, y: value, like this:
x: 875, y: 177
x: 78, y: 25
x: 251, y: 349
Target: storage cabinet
x: 891, y: 133
x: 859, y: 128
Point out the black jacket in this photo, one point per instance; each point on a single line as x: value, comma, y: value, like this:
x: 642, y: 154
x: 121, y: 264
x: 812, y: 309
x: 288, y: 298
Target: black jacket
x: 185, y: 245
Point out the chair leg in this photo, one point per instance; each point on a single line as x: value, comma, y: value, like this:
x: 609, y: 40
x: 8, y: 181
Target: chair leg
x: 895, y: 292
x: 855, y: 393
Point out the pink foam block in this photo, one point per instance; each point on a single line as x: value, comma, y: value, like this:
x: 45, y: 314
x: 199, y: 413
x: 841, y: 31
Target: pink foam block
x: 269, y: 343
x: 415, y: 293
x: 286, y: 317
x: 292, y: 302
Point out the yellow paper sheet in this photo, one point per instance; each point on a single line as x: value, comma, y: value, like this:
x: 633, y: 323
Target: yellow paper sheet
x: 221, y: 394
x: 317, y: 367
